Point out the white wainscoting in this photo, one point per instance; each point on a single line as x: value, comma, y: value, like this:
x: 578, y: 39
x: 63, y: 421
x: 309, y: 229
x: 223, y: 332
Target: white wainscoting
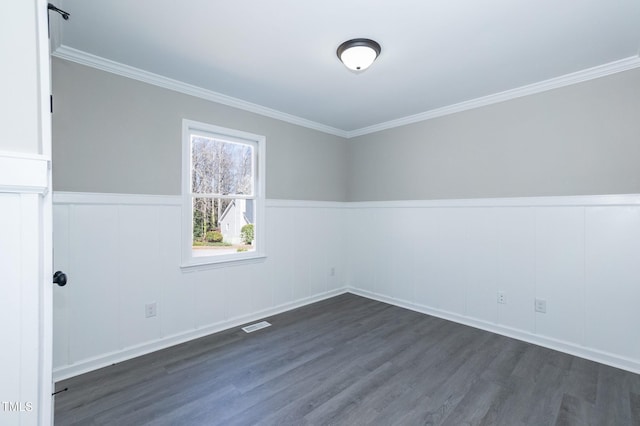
x: 25, y: 289
x: 20, y: 305
x: 450, y: 258
x: 445, y: 258
x: 123, y: 251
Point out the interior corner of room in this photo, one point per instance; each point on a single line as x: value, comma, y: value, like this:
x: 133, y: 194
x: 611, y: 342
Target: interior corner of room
x: 515, y: 213
x: 523, y: 196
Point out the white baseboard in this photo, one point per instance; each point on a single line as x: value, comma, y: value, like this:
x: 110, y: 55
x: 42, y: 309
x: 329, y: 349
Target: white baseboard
x: 558, y: 345
x: 111, y: 358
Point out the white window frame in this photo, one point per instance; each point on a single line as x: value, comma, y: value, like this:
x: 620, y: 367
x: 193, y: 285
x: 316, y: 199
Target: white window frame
x: 259, y: 141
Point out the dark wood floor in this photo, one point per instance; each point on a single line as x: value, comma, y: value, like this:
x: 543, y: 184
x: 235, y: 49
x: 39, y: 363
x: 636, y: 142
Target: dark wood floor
x: 349, y: 361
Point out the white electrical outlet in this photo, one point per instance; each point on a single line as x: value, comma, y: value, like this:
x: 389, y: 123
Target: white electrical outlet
x: 541, y: 306
x: 333, y: 271
x: 150, y: 310
x: 502, y: 297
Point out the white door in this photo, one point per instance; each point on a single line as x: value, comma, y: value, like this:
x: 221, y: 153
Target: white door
x: 25, y: 216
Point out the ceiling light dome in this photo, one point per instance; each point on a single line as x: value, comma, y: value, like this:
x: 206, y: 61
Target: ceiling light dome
x: 358, y: 54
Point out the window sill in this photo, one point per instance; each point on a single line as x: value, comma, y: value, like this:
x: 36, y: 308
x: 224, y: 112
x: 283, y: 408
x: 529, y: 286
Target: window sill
x: 209, y: 263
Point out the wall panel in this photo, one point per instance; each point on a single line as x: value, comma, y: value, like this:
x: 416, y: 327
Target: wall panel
x: 139, y: 272
x: 560, y: 272
x: 61, y: 311
x: 94, y: 299
x: 613, y: 279
x: 515, y: 266
x: 481, y: 264
x: 10, y: 311
x: 178, y: 295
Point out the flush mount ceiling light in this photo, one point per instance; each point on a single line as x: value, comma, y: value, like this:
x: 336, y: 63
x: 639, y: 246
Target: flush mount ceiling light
x: 358, y: 54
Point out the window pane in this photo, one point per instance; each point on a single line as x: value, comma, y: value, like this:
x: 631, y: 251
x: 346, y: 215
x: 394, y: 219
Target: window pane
x: 223, y: 226
x: 220, y: 167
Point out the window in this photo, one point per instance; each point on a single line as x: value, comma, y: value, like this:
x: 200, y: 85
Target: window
x: 223, y: 194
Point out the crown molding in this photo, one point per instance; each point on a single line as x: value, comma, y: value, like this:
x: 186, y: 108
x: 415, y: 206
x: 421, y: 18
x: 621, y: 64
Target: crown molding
x: 88, y: 59
x: 531, y: 89
x: 98, y: 62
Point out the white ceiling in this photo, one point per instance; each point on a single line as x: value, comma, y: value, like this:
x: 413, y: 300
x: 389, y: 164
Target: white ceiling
x: 280, y: 54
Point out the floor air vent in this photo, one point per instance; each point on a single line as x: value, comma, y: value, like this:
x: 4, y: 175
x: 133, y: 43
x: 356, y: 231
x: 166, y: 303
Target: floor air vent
x: 256, y: 326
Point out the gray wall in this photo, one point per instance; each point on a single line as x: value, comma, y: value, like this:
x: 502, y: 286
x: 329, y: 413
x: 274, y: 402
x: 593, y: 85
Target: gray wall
x: 113, y: 134
x: 577, y: 140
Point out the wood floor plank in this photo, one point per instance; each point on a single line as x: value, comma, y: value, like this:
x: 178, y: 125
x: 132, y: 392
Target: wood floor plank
x: 475, y: 404
x: 613, y: 405
x: 448, y: 386
x: 574, y: 411
x: 352, y: 361
x: 582, y: 381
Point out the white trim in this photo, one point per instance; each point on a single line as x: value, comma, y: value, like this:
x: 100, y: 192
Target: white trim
x: 62, y: 197
x: 306, y: 204
x: 621, y: 65
x: 91, y: 364
x: 24, y: 173
x: 551, y: 201
x: 23, y: 155
x: 45, y: 373
x: 558, y: 345
x: 87, y: 59
x: 222, y: 261
x: 66, y: 197
x: 84, y: 58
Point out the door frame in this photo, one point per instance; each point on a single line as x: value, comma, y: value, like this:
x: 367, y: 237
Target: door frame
x: 45, y: 373
x: 25, y: 189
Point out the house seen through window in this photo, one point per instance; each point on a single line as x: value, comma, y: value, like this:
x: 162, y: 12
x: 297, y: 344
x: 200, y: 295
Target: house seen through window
x: 223, y: 193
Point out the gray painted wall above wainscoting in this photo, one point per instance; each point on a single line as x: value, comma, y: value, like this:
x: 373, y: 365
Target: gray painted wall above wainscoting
x: 582, y: 139
x: 113, y: 134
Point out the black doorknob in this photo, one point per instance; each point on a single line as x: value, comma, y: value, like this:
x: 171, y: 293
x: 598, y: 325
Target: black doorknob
x: 60, y: 278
